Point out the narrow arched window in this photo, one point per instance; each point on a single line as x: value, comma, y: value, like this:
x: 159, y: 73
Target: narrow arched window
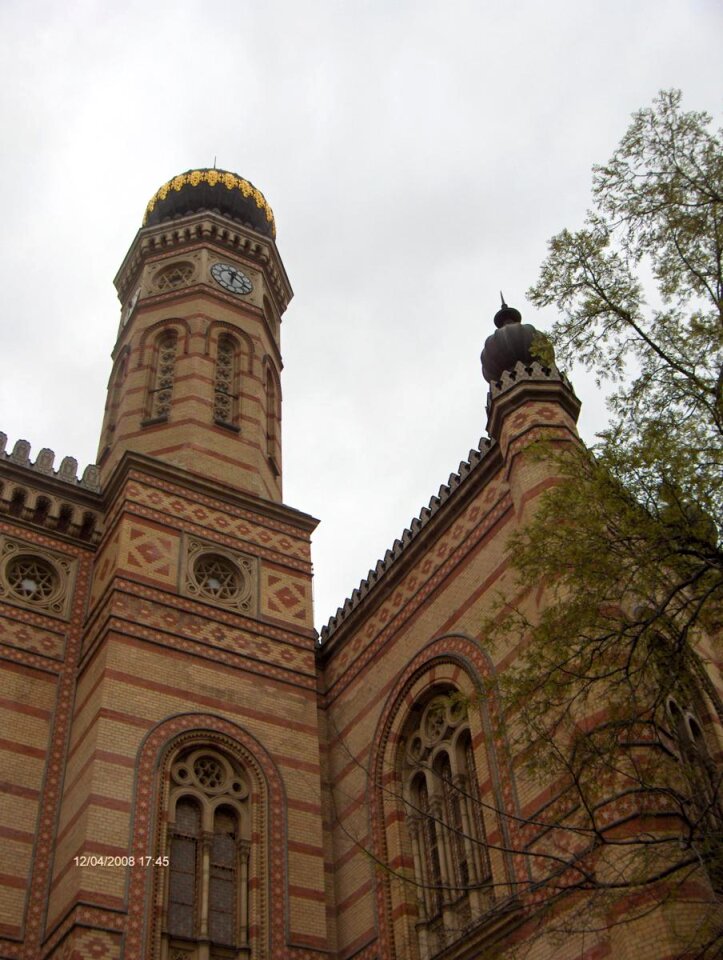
x: 223, y: 880
x: 226, y: 389
x: 705, y: 799
x: 161, y: 393
x: 209, y: 842
x: 271, y: 415
x: 446, y: 830
x: 184, y: 860
x: 116, y: 389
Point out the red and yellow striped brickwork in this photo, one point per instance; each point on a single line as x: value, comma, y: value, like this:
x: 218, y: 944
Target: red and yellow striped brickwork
x: 117, y: 657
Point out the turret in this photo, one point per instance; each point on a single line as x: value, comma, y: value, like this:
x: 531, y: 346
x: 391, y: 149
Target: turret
x: 528, y: 400
x: 196, y: 365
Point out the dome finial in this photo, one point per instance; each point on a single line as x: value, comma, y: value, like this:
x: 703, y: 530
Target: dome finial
x: 506, y: 314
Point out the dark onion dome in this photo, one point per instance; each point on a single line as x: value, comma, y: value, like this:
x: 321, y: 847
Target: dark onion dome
x: 508, y: 345
x: 206, y: 189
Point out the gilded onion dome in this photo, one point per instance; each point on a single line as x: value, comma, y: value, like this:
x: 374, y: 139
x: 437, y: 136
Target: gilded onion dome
x: 206, y: 189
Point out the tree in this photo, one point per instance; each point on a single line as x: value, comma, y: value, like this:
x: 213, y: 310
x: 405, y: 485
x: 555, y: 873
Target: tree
x: 611, y: 699
x: 614, y: 694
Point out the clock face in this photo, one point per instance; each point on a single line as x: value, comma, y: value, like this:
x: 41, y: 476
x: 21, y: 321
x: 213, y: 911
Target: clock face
x: 231, y: 278
x: 130, y: 307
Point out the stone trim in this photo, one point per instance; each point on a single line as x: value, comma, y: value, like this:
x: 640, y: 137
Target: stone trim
x: 466, y: 467
x: 67, y: 472
x: 57, y: 602
x: 534, y: 372
x: 205, y: 228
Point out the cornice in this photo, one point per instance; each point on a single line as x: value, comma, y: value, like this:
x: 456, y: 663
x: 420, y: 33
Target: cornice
x: 165, y: 472
x: 208, y: 229
x: 523, y: 383
x: 430, y: 523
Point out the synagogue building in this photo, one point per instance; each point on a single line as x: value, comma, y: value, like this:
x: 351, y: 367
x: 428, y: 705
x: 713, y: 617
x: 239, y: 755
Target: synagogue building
x: 189, y: 771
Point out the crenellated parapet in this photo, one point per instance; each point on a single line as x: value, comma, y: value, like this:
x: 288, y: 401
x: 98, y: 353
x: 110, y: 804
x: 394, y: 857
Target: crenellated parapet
x: 384, y: 564
x: 526, y: 383
x: 532, y: 372
x: 43, y: 463
x: 35, y: 492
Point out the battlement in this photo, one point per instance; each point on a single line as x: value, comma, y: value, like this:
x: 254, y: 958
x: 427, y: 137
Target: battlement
x: 43, y: 464
x: 384, y: 564
x: 533, y: 372
x: 55, y: 500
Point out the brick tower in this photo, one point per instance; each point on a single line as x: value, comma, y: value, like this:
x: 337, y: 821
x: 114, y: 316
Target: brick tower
x: 186, y: 771
x: 162, y: 684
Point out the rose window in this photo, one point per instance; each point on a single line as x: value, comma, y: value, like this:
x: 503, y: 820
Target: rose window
x: 174, y: 276
x: 217, y: 577
x: 32, y: 579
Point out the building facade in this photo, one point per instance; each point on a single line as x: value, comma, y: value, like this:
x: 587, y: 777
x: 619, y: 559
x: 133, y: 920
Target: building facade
x: 190, y: 772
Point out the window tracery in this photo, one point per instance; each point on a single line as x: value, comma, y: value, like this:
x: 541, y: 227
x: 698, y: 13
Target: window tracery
x: 699, y: 767
x: 272, y: 417
x: 174, y: 276
x: 209, y: 844
x: 212, y: 573
x: 225, y: 396
x: 451, y: 863
x: 162, y: 389
x: 33, y: 578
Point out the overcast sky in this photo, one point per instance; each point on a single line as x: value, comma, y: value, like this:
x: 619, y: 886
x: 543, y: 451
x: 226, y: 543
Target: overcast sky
x: 417, y: 155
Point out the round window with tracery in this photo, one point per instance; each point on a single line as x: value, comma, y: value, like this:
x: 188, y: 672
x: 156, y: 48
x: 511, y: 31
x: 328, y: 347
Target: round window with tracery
x: 218, y: 577
x: 177, y: 275
x: 209, y: 772
x: 32, y: 579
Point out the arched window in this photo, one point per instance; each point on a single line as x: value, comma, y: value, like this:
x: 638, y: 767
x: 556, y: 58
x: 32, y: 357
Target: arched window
x: 226, y: 390
x: 702, y: 774
x: 114, y: 398
x: 441, y: 793
x: 161, y: 392
x: 272, y: 416
x: 209, y: 831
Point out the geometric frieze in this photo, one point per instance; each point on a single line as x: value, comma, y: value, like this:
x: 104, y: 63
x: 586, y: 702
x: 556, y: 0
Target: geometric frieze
x: 417, y: 587
x: 25, y: 636
x: 35, y: 578
x: 220, y: 576
x: 285, y: 596
x: 271, y: 536
x: 216, y: 636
